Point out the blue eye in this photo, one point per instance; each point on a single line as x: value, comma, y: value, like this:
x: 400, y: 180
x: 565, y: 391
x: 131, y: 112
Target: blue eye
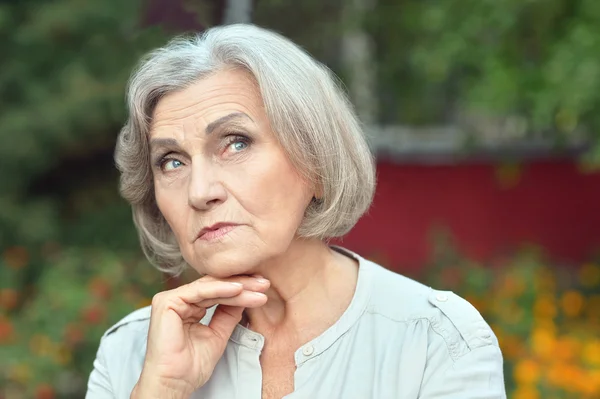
x: 171, y: 164
x: 239, y: 145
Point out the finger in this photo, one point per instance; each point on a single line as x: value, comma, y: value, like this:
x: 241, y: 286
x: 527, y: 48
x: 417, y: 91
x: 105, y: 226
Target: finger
x: 251, y: 283
x: 182, y: 299
x: 199, y: 290
x: 192, y: 314
x: 224, y: 321
x: 246, y: 299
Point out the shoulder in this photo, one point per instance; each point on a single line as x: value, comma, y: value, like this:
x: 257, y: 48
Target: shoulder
x: 125, y: 341
x: 450, y: 319
x: 138, y: 320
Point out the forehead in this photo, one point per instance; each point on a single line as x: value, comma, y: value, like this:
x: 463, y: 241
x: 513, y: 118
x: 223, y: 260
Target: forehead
x: 209, y: 98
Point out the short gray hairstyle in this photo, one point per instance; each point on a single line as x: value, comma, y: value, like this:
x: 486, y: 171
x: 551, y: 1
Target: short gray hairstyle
x: 309, y: 113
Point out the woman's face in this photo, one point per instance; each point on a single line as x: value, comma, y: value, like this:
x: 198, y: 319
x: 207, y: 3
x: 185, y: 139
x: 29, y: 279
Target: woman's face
x: 222, y: 181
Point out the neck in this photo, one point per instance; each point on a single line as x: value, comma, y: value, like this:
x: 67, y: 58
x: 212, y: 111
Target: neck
x: 309, y: 276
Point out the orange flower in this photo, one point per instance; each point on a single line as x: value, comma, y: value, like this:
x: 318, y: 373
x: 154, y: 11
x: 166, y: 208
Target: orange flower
x: 594, y: 380
x: 544, y: 307
x: 566, y: 348
x: 512, y: 348
x: 569, y: 377
x: 555, y: 374
x: 73, y: 334
x: 572, y: 303
x: 8, y: 298
x: 16, y: 257
x: 44, y: 391
x: 527, y: 371
x: 100, y: 288
x: 543, y: 343
x: 6, y: 330
x: 546, y: 324
x: 95, y: 314
x: 526, y: 392
x: 512, y: 285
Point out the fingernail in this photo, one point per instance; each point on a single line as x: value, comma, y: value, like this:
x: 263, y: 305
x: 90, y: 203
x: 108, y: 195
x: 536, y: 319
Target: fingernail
x: 260, y: 294
x: 237, y: 284
x: 262, y: 280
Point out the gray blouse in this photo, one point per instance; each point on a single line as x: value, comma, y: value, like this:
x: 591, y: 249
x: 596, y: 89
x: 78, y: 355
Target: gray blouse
x: 397, y: 339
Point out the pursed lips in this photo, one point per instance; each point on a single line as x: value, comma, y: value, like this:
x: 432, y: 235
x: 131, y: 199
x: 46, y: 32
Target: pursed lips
x: 215, y: 231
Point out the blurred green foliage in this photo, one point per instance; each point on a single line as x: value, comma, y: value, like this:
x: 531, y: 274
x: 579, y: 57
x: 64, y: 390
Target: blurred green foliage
x: 64, y: 69
x: 533, y: 63
x: 69, y: 263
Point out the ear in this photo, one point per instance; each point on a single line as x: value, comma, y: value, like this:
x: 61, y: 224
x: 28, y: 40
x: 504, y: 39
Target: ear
x: 318, y: 191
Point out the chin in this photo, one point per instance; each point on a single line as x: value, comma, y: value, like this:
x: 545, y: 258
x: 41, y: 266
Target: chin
x: 225, y: 262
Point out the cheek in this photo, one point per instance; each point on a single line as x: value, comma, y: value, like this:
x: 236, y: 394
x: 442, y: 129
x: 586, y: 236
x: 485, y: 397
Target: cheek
x: 274, y: 192
x: 172, y: 208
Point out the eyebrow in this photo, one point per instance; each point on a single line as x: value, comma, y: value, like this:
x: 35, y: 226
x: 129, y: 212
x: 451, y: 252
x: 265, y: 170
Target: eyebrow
x: 211, y: 127
x: 155, y: 143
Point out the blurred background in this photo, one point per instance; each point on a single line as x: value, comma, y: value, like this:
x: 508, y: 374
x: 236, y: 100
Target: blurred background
x: 484, y: 116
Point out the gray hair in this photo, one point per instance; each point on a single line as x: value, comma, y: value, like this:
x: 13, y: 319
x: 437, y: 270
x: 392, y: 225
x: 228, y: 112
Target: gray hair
x: 308, y: 111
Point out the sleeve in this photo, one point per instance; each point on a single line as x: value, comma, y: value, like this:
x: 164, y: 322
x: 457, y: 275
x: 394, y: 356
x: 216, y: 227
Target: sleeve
x: 476, y: 375
x: 99, y: 386
x: 464, y: 358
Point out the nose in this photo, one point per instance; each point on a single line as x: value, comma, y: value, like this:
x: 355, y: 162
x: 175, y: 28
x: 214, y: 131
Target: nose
x: 205, y: 188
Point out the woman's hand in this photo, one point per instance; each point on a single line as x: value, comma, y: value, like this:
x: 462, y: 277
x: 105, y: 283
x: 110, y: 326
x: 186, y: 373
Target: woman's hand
x: 182, y: 353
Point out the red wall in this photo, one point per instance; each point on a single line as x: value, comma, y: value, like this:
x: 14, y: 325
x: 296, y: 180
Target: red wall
x: 488, y: 209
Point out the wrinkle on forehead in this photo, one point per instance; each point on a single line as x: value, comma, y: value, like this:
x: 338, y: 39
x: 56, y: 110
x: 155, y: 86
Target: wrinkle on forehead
x: 208, y: 99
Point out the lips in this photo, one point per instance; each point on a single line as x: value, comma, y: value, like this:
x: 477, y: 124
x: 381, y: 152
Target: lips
x: 216, y: 231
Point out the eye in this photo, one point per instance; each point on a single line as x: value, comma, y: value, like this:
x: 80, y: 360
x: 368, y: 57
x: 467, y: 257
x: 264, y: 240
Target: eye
x: 239, y: 145
x: 170, y: 164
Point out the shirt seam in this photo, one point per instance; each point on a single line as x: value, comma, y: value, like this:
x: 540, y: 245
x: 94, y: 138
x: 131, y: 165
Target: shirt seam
x: 437, y: 329
x: 118, y: 326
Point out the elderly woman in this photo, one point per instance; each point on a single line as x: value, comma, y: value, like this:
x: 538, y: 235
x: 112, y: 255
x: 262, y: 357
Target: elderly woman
x: 241, y: 157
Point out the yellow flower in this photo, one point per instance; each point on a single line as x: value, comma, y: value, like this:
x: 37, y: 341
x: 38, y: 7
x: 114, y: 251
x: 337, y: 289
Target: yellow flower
x: 589, y: 275
x: 527, y: 371
x: 543, y: 343
x: 526, y: 392
x: 62, y: 355
x: 544, y: 307
x: 41, y: 345
x: 20, y: 373
x: 591, y: 352
x: 572, y: 303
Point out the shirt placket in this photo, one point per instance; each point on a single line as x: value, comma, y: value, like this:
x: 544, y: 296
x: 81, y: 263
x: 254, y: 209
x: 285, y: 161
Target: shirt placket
x: 249, y: 369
